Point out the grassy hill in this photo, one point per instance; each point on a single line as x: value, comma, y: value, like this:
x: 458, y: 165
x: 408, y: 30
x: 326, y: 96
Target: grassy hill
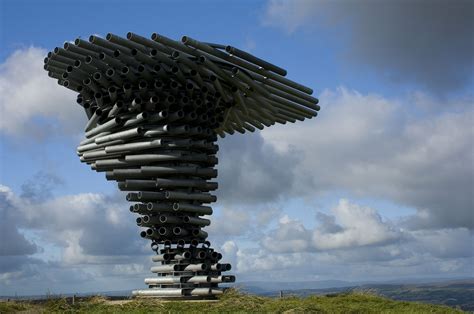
x: 232, y: 301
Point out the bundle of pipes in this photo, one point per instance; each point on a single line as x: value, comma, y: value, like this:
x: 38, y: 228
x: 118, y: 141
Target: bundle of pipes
x: 154, y: 109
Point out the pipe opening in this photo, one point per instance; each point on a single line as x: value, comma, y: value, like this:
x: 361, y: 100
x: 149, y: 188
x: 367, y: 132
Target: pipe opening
x: 154, y: 99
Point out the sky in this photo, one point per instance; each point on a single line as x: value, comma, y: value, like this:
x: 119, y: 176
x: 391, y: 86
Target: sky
x: 378, y: 187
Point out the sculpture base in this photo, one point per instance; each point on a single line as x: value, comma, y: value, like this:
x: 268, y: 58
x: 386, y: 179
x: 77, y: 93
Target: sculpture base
x: 178, y: 294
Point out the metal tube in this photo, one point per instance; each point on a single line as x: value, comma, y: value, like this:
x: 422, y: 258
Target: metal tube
x: 76, y: 49
x: 68, y: 54
x: 182, y: 256
x: 158, y: 207
x: 198, y: 209
x: 143, y: 41
x: 167, y: 280
x: 161, y: 257
x: 196, y: 221
x: 131, y: 133
x: 219, y: 279
x: 199, y: 279
x: 203, y: 197
x: 137, y: 185
x: 196, y: 267
x: 107, y: 44
x: 114, y: 76
x: 132, y: 147
x: 178, y: 231
x: 219, y: 54
x: 104, y: 127
x: 168, y: 292
x: 110, y: 60
x: 199, y: 233
x: 124, y: 42
x: 91, y: 47
x: 93, y: 120
x: 201, y: 291
x: 195, y: 183
x: 248, y: 57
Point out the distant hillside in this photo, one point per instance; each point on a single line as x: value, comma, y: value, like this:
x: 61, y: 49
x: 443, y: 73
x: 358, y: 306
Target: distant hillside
x: 459, y: 293
x: 230, y: 302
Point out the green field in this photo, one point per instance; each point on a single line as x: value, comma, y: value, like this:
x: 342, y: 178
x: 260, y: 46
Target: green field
x: 230, y: 302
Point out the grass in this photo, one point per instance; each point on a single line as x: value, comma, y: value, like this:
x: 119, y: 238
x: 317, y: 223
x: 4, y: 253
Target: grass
x: 233, y: 302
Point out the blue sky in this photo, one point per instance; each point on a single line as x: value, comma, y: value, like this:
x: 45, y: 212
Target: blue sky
x: 378, y: 186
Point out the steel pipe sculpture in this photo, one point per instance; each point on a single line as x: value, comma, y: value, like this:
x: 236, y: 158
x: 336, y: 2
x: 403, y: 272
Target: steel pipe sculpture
x: 155, y: 107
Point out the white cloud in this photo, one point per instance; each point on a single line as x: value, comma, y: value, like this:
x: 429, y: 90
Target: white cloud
x: 351, y: 226
x: 31, y: 103
x: 360, y: 226
x: 229, y: 222
x: 400, y: 41
x: 372, y: 147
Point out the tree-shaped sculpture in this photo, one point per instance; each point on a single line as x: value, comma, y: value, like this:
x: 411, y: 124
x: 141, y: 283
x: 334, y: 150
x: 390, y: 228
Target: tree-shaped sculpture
x: 155, y: 108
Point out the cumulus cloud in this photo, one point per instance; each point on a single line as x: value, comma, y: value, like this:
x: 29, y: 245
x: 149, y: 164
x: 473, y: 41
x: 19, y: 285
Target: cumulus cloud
x: 426, y: 42
x: 230, y: 222
x: 40, y: 186
x: 358, y: 226
x: 357, y: 244
x: 351, y: 226
x: 13, y: 242
x: 31, y: 103
x: 90, y: 231
x: 371, y: 147
x: 252, y: 171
